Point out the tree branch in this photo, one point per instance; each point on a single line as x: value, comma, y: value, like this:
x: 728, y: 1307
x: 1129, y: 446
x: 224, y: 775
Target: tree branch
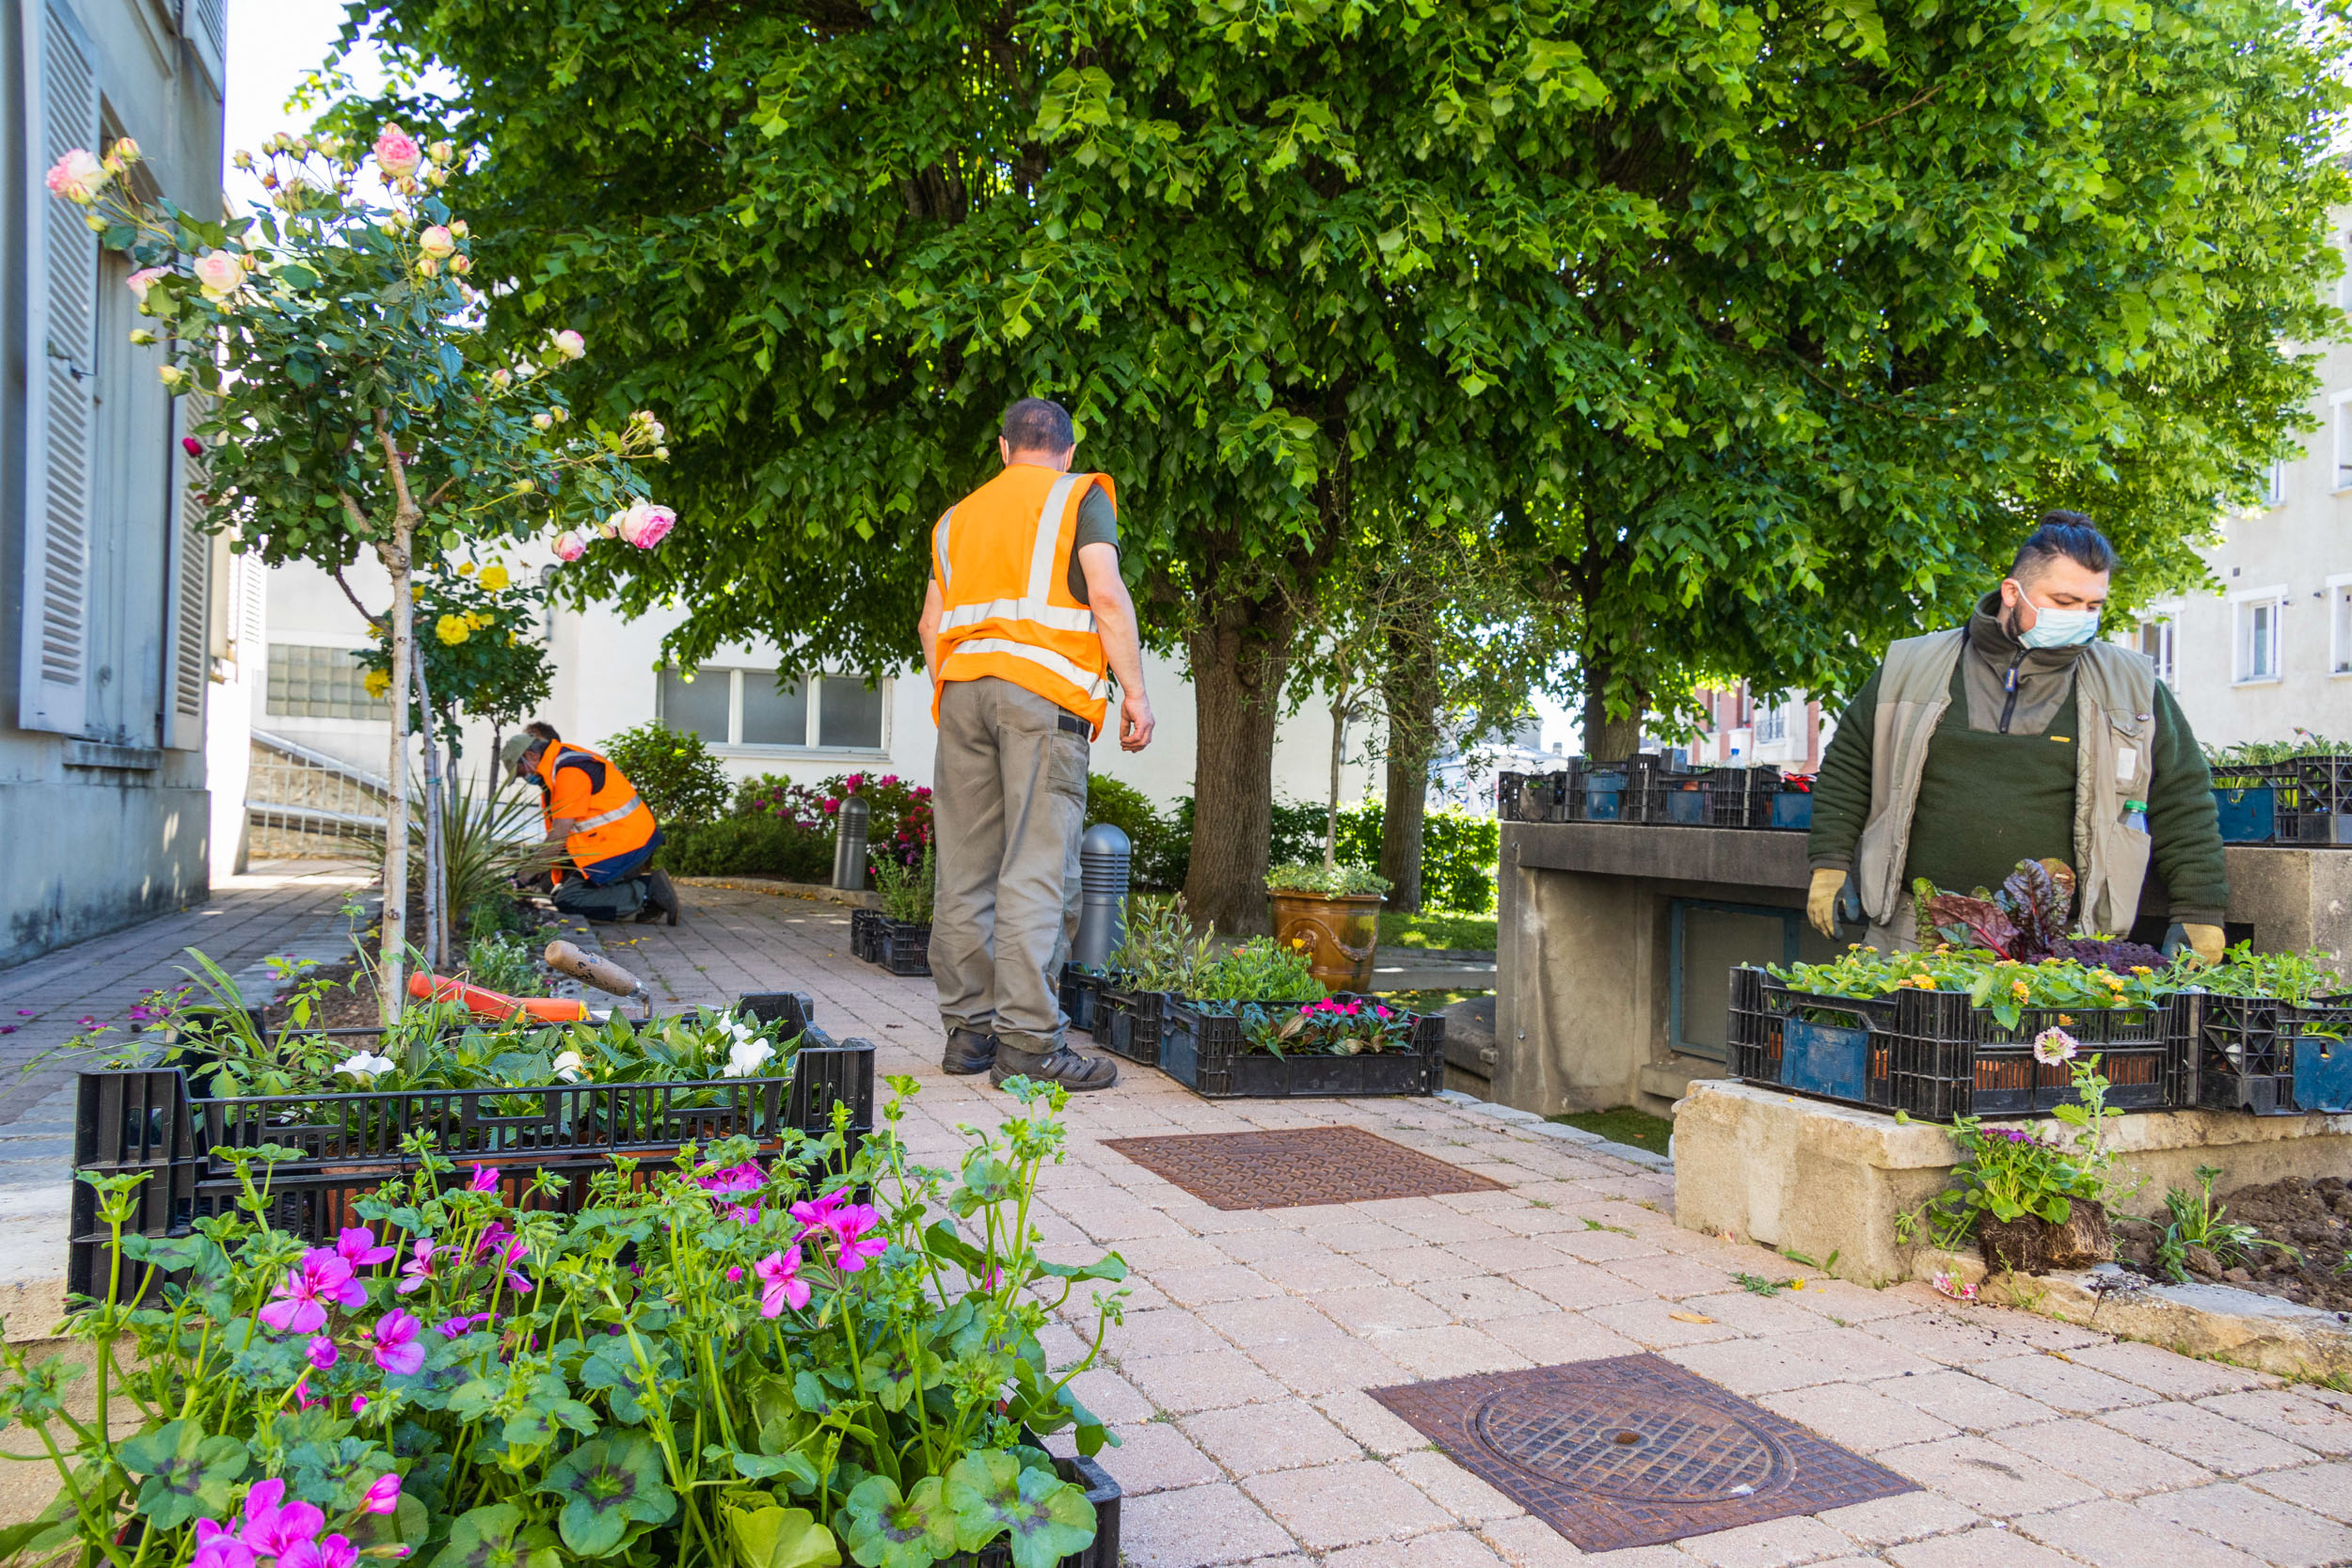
x: 376, y: 621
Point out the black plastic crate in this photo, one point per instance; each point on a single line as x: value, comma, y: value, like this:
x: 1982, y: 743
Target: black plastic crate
x: 901, y: 947
x: 1951, y: 1059
x: 2315, y: 829
x: 2326, y: 784
x: 1204, y: 1051
x: 1790, y: 810
x: 2273, y: 1058
x: 1079, y: 992
x: 861, y: 925
x: 1101, y: 1552
x: 1838, y: 1048
x: 1510, y: 791
x: 1127, y: 1023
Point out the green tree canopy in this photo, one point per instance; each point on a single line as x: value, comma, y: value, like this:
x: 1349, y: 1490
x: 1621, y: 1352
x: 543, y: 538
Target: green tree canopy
x: 1762, y: 324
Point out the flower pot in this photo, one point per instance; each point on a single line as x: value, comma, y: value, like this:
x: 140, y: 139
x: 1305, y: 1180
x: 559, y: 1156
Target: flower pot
x: 2030, y: 1244
x: 1340, y: 935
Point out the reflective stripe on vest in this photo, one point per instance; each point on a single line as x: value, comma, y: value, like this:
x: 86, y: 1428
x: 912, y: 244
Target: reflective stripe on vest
x: 1007, y: 610
x: 1037, y: 604
x: 1094, y: 685
x: 606, y: 819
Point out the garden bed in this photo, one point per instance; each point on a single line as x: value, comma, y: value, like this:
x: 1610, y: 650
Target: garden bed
x: 2311, y: 1214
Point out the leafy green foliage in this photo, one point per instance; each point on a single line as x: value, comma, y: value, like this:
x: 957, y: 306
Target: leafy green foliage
x: 2195, y: 1220
x: 2301, y: 978
x: 2255, y: 753
x: 1458, y: 854
x: 1160, y: 951
x: 674, y: 773
x: 754, y: 846
x: 503, y: 963
x: 1334, y: 1026
x: 1159, y: 847
x: 907, y: 891
x: 1328, y: 882
x: 1260, y: 970
x: 2027, y: 920
x: 2008, y: 1172
x: 2003, y: 987
x: 478, y: 635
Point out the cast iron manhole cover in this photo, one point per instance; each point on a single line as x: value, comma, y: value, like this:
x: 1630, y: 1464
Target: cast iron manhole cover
x: 1293, y: 1169
x: 1634, y: 1450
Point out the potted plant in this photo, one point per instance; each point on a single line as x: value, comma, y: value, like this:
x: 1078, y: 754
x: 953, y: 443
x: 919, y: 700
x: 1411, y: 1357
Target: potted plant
x: 1259, y: 970
x: 1158, y: 958
x: 901, y: 939
x: 2034, y: 1202
x: 1338, y: 1045
x: 1332, y: 914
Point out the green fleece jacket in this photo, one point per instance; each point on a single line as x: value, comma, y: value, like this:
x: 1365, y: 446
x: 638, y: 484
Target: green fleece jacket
x: 1999, y: 783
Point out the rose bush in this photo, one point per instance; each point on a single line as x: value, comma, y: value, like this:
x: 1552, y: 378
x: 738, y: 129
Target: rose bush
x: 717, y: 1365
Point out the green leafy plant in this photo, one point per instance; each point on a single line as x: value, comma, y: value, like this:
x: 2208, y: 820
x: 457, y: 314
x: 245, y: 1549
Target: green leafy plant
x: 1334, y: 1026
x: 674, y: 772
x: 731, y: 1362
x: 2027, y: 920
x: 503, y: 963
x: 2004, y: 987
x: 1325, y: 882
x: 2197, y: 1221
x: 2302, y: 978
x: 2009, y: 1173
x: 1159, y: 951
x: 1260, y: 970
x: 906, y: 891
x: 2254, y: 754
x: 760, y: 845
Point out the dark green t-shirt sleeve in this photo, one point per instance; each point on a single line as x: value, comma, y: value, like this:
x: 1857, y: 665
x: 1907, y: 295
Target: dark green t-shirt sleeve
x: 1841, y: 794
x: 2183, y: 823
x: 1098, y: 524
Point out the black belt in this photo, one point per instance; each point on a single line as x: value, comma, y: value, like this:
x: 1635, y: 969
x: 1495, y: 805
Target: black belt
x: 1075, y: 725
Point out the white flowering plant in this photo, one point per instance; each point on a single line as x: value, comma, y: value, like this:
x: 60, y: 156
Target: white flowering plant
x: 352, y: 401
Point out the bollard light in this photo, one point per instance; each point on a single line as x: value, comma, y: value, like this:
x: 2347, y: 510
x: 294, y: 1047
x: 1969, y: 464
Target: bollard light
x: 848, y: 844
x: 1102, y: 860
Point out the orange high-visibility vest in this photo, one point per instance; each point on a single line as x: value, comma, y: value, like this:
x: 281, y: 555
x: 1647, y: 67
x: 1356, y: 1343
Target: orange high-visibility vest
x: 1001, y: 557
x: 617, y: 820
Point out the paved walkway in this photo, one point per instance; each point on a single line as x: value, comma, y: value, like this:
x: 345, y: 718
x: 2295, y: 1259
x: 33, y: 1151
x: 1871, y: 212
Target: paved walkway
x: 1237, y: 1380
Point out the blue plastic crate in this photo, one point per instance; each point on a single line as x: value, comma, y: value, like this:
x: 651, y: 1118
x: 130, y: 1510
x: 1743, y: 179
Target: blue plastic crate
x: 2249, y: 815
x: 1793, y: 810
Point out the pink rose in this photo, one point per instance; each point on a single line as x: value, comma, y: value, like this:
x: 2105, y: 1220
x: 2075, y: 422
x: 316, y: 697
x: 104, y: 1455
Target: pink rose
x: 220, y: 273
x: 436, y: 241
x: 190, y: 445
x: 142, y: 280
x: 78, y: 176
x: 569, y: 545
x: 644, y: 525
x: 570, y: 344
x: 397, y: 152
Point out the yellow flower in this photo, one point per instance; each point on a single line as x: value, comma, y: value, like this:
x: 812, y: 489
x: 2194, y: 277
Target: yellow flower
x: 1298, y: 941
x: 415, y: 591
x: 451, y: 629
x: 2019, y: 990
x: 476, y: 619
x: 1924, y: 980
x: 377, y: 682
x: 465, y: 569
x: 2141, y: 968
x: 494, y: 578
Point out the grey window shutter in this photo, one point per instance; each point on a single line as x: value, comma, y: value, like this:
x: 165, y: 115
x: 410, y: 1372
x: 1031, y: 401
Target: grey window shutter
x: 61, y: 419
x: 190, y: 644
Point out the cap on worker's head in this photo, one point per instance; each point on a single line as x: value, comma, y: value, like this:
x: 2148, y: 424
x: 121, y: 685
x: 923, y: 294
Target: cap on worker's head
x: 516, y: 747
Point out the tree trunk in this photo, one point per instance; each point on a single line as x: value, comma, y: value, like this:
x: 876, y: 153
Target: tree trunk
x: 1239, y: 662
x: 1406, y: 687
x: 436, y: 912
x: 392, y: 957
x: 1340, y: 706
x: 1607, y: 739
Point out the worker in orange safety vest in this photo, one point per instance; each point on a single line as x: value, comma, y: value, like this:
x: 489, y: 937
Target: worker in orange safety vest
x: 600, y: 836
x: 1025, y: 624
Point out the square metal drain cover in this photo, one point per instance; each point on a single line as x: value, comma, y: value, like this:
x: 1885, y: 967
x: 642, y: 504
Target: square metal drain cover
x: 1297, y: 1167
x: 1634, y: 1450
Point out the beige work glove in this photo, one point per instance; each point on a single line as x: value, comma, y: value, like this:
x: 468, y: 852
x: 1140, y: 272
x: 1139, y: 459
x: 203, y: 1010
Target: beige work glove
x: 1820, y: 903
x: 2203, y: 941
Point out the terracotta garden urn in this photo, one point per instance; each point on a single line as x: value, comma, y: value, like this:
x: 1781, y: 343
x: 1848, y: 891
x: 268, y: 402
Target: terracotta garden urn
x: 1339, y: 934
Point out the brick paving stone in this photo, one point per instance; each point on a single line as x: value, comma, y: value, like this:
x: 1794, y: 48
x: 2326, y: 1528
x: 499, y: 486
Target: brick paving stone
x: 1318, y: 1367
x: 2275, y: 1532
x: 1452, y: 1549
x: 1792, y: 1360
x: 1667, y: 1275
x: 1205, y: 1380
x: 1578, y: 1286
x: 2207, y: 1437
x: 1856, y: 1415
x: 1966, y: 1401
x: 1269, y: 1321
x: 1346, y: 1505
x: 1556, y: 1337
x: 1154, y: 1456
x: 1455, y: 1489
x: 1199, y: 1526
x: 2306, y: 1423
x: 1171, y: 1331
x: 1977, y: 1548
x: 1226, y: 1282
x: 1353, y: 1234
x: 1371, y: 1423
x: 1480, y: 1297
x: 1287, y: 1434
x: 2321, y: 1488
x: 1956, y: 1341
x: 2115, y: 1535
x: 2064, y: 1385
x: 1112, y: 1398
x: 1455, y: 1351
x: 1381, y: 1310
x: 1854, y: 1304
x: 1656, y: 1325
x: 2119, y: 1465
x: 1328, y: 1273
x: 1905, y: 1516
x: 1983, y: 1475
x: 2176, y: 1377
x: 1527, y: 1541
x: 1774, y: 1544
x: 1513, y: 1256
x: 1749, y: 1313
x: 1411, y: 1265
x: 1600, y: 1246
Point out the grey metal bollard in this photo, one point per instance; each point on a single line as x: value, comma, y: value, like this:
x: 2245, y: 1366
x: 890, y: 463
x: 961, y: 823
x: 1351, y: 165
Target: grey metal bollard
x: 1102, y: 860
x: 849, y: 843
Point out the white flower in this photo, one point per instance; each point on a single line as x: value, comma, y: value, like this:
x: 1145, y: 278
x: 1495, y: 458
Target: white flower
x: 571, y: 1067
x: 2054, y: 1045
x: 746, y: 1057
x: 220, y: 273
x: 365, y: 1066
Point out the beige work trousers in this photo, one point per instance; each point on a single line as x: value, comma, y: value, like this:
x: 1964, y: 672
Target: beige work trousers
x: 1008, y: 800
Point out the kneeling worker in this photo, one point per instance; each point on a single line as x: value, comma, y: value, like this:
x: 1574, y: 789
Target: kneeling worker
x: 600, y: 835
x: 2020, y: 736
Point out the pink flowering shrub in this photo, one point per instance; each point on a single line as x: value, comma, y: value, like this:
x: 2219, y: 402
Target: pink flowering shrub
x: 899, y: 825
x: 831, y: 1346
x: 1335, y: 1026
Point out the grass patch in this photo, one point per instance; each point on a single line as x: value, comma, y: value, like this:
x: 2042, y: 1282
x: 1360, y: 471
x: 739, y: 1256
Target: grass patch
x: 1624, y: 1125
x: 1439, y: 929
x: 1426, y: 1002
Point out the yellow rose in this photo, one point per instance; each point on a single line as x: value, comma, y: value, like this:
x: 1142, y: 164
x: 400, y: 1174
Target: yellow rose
x: 451, y: 630
x: 465, y: 569
x: 377, y: 682
x: 494, y: 578
x: 476, y: 619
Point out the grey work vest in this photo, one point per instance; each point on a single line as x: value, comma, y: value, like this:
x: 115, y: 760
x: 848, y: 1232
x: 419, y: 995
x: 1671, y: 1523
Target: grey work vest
x: 2115, y: 692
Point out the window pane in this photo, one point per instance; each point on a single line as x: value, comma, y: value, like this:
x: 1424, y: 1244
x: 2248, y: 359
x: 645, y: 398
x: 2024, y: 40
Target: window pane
x: 697, y: 703
x: 2341, y: 637
x: 307, y: 682
x: 848, y: 714
x: 772, y: 717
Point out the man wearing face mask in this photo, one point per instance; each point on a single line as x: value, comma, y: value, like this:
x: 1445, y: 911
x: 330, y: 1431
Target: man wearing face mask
x: 2020, y: 736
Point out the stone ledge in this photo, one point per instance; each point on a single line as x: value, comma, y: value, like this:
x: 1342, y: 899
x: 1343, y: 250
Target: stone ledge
x: 862, y: 898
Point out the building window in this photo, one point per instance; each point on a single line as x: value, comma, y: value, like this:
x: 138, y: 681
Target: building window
x: 2157, y: 639
x: 2340, y: 625
x: 2344, y: 444
x: 746, y: 708
x: 2258, y: 638
x: 1772, y: 723
x: 2275, y: 486
x: 307, y: 682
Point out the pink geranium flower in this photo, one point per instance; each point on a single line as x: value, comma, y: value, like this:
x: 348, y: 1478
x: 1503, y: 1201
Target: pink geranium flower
x: 274, y: 1526
x: 357, y: 1247
x: 300, y: 1303
x: 393, y: 1342
x: 486, y: 1179
x: 335, y: 1551
x: 847, y: 1226
x: 322, y: 1352
x: 218, y: 1546
x: 780, y: 1284
x: 418, y: 1272
x: 816, y: 1212
x: 456, y: 1328
x: 384, y: 1497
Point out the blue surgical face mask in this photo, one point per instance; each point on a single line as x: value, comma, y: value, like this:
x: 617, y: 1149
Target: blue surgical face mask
x: 2060, y: 628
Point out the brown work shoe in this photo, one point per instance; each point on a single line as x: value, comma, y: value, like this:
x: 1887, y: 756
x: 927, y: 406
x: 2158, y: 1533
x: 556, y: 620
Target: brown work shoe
x: 1072, y: 1070
x: 968, y: 1052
